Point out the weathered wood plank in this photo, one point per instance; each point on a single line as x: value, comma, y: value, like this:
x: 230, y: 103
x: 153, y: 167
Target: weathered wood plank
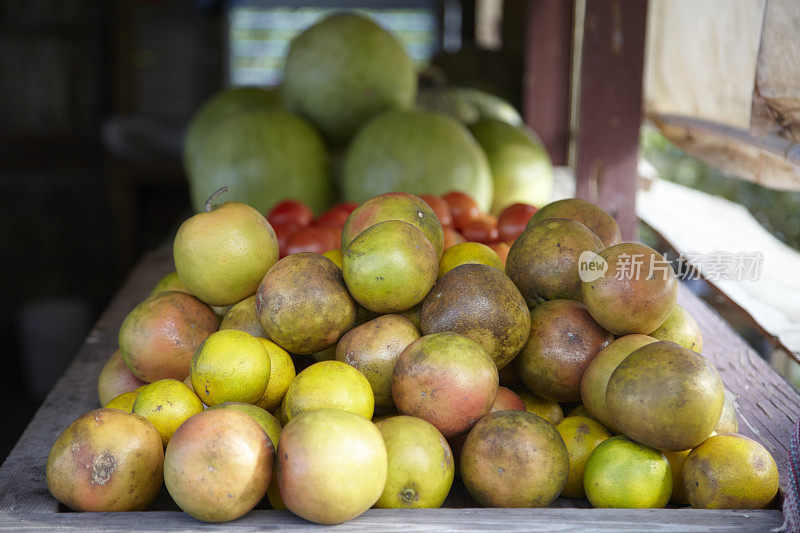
x: 590, y: 520
x: 22, y: 481
x: 766, y: 406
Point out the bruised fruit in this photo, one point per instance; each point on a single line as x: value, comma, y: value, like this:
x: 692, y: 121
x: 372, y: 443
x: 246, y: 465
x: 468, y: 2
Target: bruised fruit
x: 222, y: 255
x: 635, y: 294
x: 548, y: 409
x: 730, y: 472
x: 106, y: 460
x: 329, y: 385
x: 390, y: 267
x: 665, y: 396
x: 303, y: 304
x: 507, y: 400
x: 218, y: 465
x: 588, y: 214
x: 581, y: 436
x: 447, y: 379
x: 543, y: 261
x: 680, y: 328
x: 420, y: 462
x: 514, y: 459
x: 595, y: 378
x: 167, y: 404
x: 320, y: 477
x: 115, y: 379
x: 242, y: 316
x: 170, y: 282
x: 395, y: 206
x: 564, y: 339
x: 622, y: 473
x: 372, y: 348
x: 468, y: 252
x: 268, y: 423
x: 230, y: 366
x: 479, y: 301
x: 281, y: 374
x: 157, y: 339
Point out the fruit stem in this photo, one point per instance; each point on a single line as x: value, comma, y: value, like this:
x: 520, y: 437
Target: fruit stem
x: 214, y: 197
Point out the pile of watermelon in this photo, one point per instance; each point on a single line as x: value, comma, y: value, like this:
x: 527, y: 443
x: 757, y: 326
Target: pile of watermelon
x: 349, y: 123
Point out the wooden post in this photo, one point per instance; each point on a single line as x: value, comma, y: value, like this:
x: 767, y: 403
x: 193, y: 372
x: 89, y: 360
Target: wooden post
x: 468, y: 23
x: 609, y: 107
x: 546, y: 84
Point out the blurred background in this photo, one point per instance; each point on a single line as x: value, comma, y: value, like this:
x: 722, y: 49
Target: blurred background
x: 95, y: 97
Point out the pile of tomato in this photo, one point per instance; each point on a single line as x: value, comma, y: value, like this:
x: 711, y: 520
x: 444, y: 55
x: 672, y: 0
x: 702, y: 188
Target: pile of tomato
x: 299, y: 231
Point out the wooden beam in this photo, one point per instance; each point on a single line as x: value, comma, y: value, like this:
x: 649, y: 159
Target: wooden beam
x: 609, y: 108
x: 546, y: 82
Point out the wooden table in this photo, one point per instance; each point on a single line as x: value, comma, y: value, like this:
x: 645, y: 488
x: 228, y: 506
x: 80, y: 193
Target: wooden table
x: 767, y: 407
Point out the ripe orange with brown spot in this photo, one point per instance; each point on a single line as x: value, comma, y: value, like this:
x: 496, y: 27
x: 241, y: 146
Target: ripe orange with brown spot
x: 106, y: 460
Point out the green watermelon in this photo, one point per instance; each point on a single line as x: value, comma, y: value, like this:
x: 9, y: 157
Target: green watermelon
x: 416, y: 152
x: 345, y: 69
x: 467, y: 105
x: 227, y: 103
x: 521, y: 168
x: 262, y: 155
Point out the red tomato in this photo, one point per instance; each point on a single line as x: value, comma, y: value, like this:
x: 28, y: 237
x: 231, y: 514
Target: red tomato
x: 311, y: 239
x: 513, y: 220
x: 290, y: 210
x: 334, y: 217
x: 480, y: 231
x: 501, y: 249
x: 441, y: 209
x: 337, y: 236
x: 283, y: 232
x: 462, y: 208
x: 487, y: 217
x: 348, y: 206
x: 451, y: 237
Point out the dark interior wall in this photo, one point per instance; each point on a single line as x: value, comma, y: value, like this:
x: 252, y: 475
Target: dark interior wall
x: 77, y: 208
x: 54, y: 223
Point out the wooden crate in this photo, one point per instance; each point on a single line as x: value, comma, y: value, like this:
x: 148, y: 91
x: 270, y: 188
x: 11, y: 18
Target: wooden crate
x: 767, y: 408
